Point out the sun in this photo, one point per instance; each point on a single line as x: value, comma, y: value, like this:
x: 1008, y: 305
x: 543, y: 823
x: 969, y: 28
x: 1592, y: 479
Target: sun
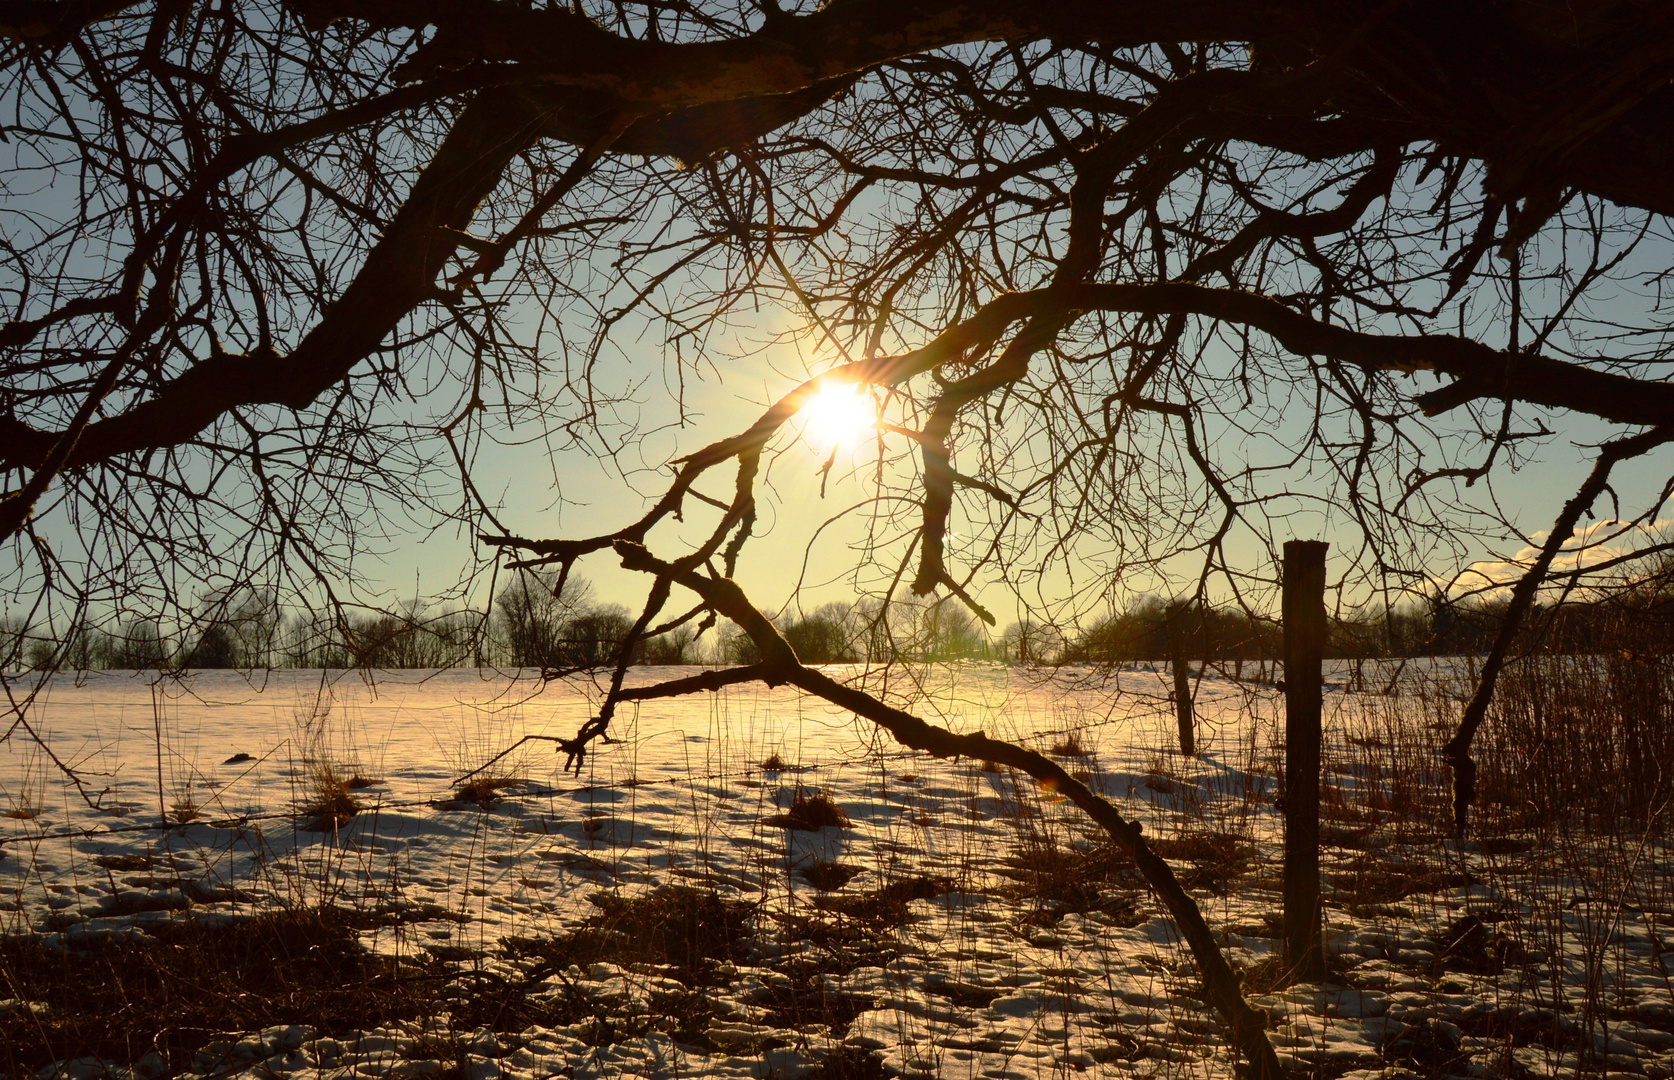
x: 839, y: 414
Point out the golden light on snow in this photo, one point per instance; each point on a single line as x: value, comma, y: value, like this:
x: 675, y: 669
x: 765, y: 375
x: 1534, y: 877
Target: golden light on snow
x: 839, y: 414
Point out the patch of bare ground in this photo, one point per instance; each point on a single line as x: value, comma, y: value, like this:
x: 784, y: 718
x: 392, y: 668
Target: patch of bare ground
x: 1272, y: 973
x: 849, y: 1063
x: 1207, y: 859
x: 124, y: 862
x: 681, y: 931
x: 888, y: 904
x: 1473, y: 943
x: 391, y: 915
x: 1117, y: 1045
x: 1503, y: 845
x: 1352, y: 806
x: 483, y: 792
x: 171, y: 989
x: 1431, y: 1048
x: 1058, y: 879
x: 1329, y: 1064
x: 1369, y: 883
x: 1521, y: 1027
x: 801, y: 1000
x: 1353, y: 838
x: 687, y: 929
x: 834, y: 942
x: 963, y: 994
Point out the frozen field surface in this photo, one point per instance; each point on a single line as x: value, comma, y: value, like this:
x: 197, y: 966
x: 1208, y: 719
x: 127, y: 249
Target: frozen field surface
x: 688, y: 904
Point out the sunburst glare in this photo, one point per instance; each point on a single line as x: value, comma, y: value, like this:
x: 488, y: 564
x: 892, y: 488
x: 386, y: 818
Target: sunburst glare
x: 839, y: 414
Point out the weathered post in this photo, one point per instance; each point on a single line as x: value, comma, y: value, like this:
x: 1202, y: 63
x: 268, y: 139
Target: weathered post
x: 1182, y: 683
x: 1304, y: 645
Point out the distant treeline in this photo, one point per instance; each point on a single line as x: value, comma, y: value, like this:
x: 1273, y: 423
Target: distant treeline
x: 533, y: 625
x: 1153, y: 630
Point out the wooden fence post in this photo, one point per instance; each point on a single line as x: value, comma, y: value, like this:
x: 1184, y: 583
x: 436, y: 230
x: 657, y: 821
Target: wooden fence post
x: 1304, y: 633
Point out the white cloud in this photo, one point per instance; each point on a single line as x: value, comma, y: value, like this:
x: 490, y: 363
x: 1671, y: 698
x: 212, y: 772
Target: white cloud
x: 1593, y: 545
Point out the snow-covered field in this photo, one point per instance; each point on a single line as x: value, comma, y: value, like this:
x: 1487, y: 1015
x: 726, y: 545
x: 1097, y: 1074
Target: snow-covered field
x: 1451, y: 959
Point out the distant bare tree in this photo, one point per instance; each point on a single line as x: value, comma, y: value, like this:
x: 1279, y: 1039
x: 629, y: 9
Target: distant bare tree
x: 826, y: 635
x: 532, y: 614
x: 236, y: 631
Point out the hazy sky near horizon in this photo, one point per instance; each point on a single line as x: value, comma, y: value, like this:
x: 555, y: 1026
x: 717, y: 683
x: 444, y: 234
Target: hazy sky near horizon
x: 571, y: 494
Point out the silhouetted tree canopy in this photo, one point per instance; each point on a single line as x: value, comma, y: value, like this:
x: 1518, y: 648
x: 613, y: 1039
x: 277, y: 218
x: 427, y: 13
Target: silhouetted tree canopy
x: 277, y: 271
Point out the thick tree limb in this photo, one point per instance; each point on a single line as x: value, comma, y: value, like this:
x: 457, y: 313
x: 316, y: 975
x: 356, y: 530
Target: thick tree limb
x: 54, y: 22
x: 779, y: 665
x: 17, y: 506
x: 1481, y: 371
x: 1500, y: 82
x: 399, y: 274
x: 693, y: 133
x: 785, y: 56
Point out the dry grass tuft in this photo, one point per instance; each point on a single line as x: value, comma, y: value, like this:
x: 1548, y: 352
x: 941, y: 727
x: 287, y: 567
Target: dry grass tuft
x: 1070, y: 747
x: 124, y: 862
x: 1216, y: 860
x: 1370, y: 884
x: 484, y: 791
x: 811, y: 813
x: 849, y: 1063
x: 828, y: 876
x: 802, y: 997
x: 680, y: 926
x: 773, y: 764
x: 1471, y: 943
x: 330, y: 804
x: 1059, y: 880
x: 888, y: 905
x: 171, y: 989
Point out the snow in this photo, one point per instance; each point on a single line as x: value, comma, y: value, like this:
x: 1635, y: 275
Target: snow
x: 975, y: 984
